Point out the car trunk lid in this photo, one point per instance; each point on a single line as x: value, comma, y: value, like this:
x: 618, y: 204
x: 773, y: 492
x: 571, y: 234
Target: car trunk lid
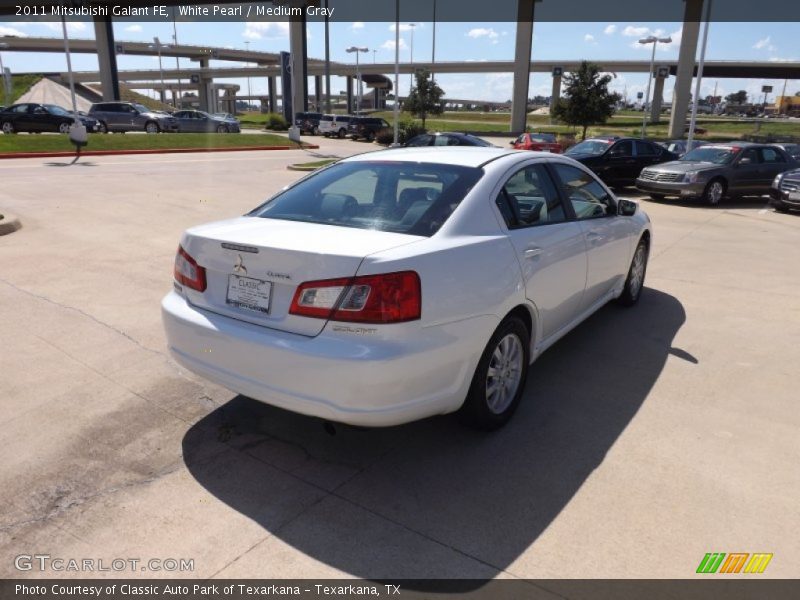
x: 254, y: 265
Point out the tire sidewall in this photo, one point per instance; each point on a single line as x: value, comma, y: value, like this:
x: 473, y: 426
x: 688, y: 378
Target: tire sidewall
x: 707, y: 192
x: 627, y: 298
x: 475, y: 408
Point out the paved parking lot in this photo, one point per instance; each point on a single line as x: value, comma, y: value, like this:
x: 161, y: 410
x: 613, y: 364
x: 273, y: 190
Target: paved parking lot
x: 646, y: 438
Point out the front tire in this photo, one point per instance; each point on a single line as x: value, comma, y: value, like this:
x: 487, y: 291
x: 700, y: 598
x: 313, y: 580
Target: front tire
x: 499, y: 379
x: 342, y: 134
x: 222, y: 129
x: 635, y: 280
x: 781, y: 208
x: 657, y: 197
x: 63, y: 128
x: 151, y: 127
x: 102, y: 127
x: 714, y: 192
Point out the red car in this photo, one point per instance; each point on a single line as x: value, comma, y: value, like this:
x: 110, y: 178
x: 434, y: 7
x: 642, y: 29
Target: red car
x: 541, y: 142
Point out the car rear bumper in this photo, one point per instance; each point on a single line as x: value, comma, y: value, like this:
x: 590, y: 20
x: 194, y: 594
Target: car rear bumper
x: 665, y: 188
x: 349, y: 378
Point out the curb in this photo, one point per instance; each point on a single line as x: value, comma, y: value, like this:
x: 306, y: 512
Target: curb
x: 9, y: 224
x: 157, y: 151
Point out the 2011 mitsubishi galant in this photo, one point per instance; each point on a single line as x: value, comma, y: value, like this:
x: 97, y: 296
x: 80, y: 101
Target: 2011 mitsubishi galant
x: 400, y: 284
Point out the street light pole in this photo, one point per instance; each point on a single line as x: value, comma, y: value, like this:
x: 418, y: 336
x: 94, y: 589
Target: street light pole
x: 357, y: 50
x: 179, y: 100
x: 396, y: 70
x: 433, y: 46
x: 3, y: 75
x: 247, y: 43
x: 411, y: 79
x: 650, y: 40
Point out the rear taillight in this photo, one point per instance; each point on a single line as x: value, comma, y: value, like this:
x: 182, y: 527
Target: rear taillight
x: 386, y: 298
x: 188, y: 272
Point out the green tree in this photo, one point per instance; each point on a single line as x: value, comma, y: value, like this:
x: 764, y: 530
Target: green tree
x: 587, y: 99
x: 425, y: 97
x: 739, y: 97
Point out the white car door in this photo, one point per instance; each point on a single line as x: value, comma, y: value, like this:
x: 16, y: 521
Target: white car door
x: 550, y: 248
x: 608, y: 236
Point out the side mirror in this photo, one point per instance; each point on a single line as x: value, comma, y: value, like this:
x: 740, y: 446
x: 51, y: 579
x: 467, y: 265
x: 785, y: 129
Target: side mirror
x: 512, y: 142
x: 626, y: 208
x: 745, y: 160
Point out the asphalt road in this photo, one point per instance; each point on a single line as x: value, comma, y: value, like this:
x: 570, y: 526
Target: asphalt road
x: 647, y: 437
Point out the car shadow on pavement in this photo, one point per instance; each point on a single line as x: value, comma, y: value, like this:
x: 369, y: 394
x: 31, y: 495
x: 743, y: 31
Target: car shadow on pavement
x: 433, y: 498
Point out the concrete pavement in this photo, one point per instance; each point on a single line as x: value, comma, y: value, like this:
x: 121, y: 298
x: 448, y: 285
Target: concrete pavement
x: 647, y: 437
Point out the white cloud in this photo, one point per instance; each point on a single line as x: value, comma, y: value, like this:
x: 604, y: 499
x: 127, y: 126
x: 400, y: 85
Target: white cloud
x: 480, y: 32
x: 134, y: 28
x: 782, y: 60
x: 403, y: 26
x: 765, y: 44
x: 11, y: 31
x: 389, y: 44
x: 610, y: 29
x: 256, y: 30
x: 631, y: 31
x: 588, y: 38
x: 357, y: 25
x: 72, y: 26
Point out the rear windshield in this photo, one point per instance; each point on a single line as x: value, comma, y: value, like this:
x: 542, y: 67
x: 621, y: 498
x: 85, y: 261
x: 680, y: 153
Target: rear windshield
x: 544, y: 137
x: 402, y: 197
x: 590, y: 147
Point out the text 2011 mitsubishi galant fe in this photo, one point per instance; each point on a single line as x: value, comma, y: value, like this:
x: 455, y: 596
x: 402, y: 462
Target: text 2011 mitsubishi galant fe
x: 396, y: 285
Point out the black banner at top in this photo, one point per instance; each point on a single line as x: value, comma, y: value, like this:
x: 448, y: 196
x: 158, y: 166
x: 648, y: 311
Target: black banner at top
x: 409, y: 10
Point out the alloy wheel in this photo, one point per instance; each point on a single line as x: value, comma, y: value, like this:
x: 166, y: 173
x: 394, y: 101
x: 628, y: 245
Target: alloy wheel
x: 504, y: 373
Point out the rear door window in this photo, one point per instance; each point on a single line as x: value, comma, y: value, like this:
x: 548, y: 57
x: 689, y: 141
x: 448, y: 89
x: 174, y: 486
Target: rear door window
x: 771, y: 155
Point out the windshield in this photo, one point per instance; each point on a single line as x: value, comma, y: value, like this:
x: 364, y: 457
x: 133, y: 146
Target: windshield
x: 477, y: 141
x: 142, y: 109
x: 709, y: 154
x: 57, y: 110
x: 402, y: 197
x: 590, y: 147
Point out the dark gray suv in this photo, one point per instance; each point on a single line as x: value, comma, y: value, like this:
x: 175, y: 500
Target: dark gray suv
x: 129, y: 116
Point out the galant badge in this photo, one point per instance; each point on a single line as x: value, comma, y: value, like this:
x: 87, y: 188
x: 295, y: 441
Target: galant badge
x: 239, y: 266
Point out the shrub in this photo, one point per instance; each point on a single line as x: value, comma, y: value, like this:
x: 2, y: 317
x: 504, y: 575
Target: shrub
x: 385, y: 136
x: 276, y: 122
x: 406, y: 129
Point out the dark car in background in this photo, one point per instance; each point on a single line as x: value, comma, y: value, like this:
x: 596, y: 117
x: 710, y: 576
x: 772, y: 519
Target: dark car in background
x: 130, y: 116
x: 446, y: 139
x: 366, y: 128
x: 308, y: 122
x: 538, y: 142
x: 792, y: 150
x: 197, y: 121
x: 40, y: 118
x: 716, y: 171
x: 785, y: 191
x: 679, y: 147
x: 618, y: 161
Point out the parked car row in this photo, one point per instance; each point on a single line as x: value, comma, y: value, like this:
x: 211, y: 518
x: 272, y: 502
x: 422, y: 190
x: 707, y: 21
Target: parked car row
x: 105, y: 117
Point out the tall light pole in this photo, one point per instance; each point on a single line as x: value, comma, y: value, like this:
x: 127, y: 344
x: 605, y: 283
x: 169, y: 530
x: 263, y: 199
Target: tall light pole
x: 179, y: 100
x: 158, y: 46
x: 374, y: 52
x: 247, y: 43
x: 433, y: 46
x: 650, y: 40
x: 357, y: 50
x: 396, y: 70
x: 3, y: 75
x: 693, y: 120
x: 411, y: 79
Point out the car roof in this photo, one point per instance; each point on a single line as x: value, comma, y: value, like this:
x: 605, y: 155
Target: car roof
x: 467, y: 156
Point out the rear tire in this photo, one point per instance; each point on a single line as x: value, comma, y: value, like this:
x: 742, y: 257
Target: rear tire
x: 342, y: 133
x: 8, y: 127
x: 657, y: 197
x: 499, y: 379
x: 370, y: 137
x: 714, y: 192
x: 635, y: 280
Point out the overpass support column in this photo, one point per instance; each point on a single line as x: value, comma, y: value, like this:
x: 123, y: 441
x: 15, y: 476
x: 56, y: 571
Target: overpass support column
x: 658, y: 98
x: 273, y: 105
x: 107, y: 59
x: 522, y: 65
x: 555, y: 94
x: 686, y: 63
x: 349, y: 89
x: 297, y: 48
x: 318, y: 92
x: 203, y: 89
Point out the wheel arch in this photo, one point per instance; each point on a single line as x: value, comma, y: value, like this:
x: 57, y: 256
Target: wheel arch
x: 527, y: 314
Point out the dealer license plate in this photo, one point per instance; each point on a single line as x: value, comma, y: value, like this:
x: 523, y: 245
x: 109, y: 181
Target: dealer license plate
x: 249, y: 293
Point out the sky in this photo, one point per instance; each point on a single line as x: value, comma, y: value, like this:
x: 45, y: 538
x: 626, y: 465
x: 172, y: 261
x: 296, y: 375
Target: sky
x: 454, y: 41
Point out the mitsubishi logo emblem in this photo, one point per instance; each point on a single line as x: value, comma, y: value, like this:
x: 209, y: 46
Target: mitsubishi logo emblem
x: 239, y: 267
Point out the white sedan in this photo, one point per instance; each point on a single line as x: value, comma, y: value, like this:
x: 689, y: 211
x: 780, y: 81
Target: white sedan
x: 396, y: 285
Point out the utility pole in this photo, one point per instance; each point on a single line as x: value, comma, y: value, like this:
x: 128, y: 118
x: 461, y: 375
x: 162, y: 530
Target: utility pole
x: 247, y: 43
x: 179, y: 101
x: 411, y: 79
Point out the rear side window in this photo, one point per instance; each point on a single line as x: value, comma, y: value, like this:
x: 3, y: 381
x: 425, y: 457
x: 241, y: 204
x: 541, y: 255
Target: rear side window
x: 529, y: 198
x: 624, y: 148
x: 413, y: 198
x: 771, y: 155
x: 645, y: 149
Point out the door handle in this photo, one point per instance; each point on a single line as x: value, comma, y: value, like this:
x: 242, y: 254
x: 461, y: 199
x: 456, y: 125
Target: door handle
x: 594, y: 236
x: 532, y: 251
